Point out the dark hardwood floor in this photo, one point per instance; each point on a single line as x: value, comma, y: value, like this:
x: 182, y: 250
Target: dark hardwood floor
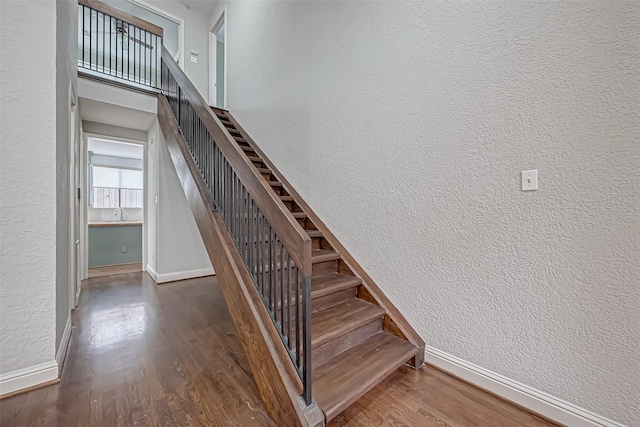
x: 168, y: 355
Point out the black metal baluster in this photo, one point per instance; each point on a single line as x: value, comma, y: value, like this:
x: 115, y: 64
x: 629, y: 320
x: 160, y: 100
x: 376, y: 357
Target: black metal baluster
x: 245, y: 223
x: 137, y: 45
x: 116, y: 58
x: 260, y: 253
x: 128, y: 50
x: 282, y: 287
x: 250, y: 237
x: 288, y: 293
x: 270, y: 272
x: 111, y: 71
x: 84, y: 28
x: 90, y: 38
x: 145, y: 72
x: 104, y: 32
x: 235, y: 208
x: 306, y: 327
x: 298, y: 364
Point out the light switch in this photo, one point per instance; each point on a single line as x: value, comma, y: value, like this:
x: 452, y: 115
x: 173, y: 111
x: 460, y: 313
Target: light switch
x: 194, y: 59
x: 529, y: 180
x: 124, y: 249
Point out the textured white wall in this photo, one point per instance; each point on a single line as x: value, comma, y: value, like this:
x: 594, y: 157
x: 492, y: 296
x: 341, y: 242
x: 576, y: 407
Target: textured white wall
x: 196, y: 36
x: 180, y: 246
x: 405, y: 125
x: 27, y: 184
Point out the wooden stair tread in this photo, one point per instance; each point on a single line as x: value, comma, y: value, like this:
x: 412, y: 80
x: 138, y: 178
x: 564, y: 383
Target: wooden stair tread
x: 247, y: 149
x: 254, y: 159
x: 322, y: 255
x: 299, y: 215
x: 332, y: 323
x: 275, y: 183
x: 325, y: 285
x: 264, y: 170
x: 286, y: 198
x: 314, y: 233
x: 351, y: 374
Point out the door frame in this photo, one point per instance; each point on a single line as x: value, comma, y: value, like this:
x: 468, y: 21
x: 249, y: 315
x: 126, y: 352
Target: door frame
x: 84, y: 185
x: 151, y: 8
x: 74, y: 204
x: 213, y: 48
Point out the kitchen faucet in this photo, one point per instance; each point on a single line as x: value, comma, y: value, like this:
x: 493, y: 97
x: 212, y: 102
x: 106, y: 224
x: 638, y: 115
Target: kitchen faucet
x: 121, y: 213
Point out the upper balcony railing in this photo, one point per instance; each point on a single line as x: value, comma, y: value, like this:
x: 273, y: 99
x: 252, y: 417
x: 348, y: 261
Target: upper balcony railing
x: 116, y: 45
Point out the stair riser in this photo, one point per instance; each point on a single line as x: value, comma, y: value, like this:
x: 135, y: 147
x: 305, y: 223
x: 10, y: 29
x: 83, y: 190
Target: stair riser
x: 316, y: 242
x: 331, y: 300
x: 322, y: 268
x: 322, y: 354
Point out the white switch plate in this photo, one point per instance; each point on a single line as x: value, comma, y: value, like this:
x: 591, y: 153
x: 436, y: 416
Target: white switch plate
x: 529, y: 180
x: 194, y: 59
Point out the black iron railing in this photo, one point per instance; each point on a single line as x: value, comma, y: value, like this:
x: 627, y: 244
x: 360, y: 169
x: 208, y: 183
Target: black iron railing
x: 118, y: 45
x: 284, y: 285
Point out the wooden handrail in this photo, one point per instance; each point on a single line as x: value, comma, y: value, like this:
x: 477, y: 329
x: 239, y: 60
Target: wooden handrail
x: 293, y: 237
x: 117, y: 13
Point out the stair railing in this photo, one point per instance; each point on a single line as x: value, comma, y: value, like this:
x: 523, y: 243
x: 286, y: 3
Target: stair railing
x: 118, y: 46
x: 274, y: 247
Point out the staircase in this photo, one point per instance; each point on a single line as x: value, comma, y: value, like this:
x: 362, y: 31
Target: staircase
x: 352, y: 352
x: 317, y: 331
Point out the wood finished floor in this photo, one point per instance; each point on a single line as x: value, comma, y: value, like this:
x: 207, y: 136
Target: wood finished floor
x: 112, y: 270
x: 142, y: 354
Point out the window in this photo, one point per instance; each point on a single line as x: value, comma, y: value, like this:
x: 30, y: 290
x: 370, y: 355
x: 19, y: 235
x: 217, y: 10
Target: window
x: 116, y: 188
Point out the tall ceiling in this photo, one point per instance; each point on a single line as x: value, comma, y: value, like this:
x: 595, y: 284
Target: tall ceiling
x: 203, y: 6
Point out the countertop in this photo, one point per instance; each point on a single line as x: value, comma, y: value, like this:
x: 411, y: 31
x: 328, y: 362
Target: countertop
x: 114, y: 223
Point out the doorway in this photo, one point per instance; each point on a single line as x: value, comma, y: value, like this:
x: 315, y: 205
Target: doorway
x: 115, y: 207
x: 217, y: 80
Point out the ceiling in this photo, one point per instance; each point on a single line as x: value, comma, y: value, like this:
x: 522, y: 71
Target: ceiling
x: 114, y: 148
x: 115, y: 115
x: 202, y: 6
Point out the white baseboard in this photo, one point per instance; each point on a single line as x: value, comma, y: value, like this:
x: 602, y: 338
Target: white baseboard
x: 178, y: 275
x: 64, y: 345
x: 536, y: 401
x: 28, y: 377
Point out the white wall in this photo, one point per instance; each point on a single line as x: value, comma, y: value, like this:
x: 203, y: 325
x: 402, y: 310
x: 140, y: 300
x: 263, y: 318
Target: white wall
x: 151, y: 196
x: 179, y: 246
x: 405, y: 125
x: 196, y: 36
x: 36, y: 72
x: 114, y: 131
